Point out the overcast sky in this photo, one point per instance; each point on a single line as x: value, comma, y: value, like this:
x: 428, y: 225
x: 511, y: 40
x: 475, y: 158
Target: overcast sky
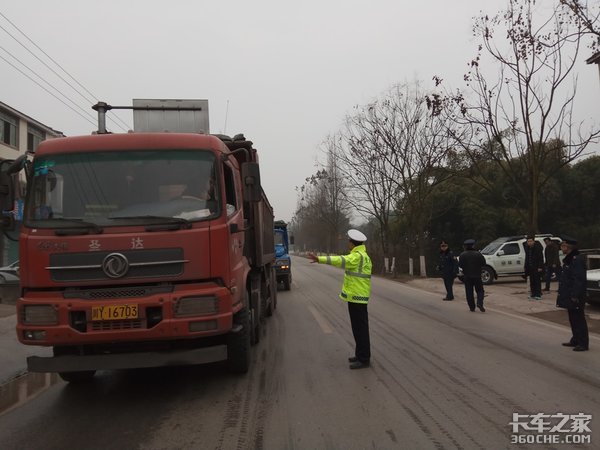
x: 290, y: 72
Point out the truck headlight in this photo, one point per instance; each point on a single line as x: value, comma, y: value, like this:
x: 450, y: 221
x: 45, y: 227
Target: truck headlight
x: 40, y: 315
x: 197, y: 306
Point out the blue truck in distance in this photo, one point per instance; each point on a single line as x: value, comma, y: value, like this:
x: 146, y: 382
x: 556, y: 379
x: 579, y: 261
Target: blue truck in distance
x: 283, y: 262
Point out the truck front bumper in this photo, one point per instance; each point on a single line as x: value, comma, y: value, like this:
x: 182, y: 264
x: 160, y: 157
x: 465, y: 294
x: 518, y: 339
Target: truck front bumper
x: 161, y: 317
x: 74, y: 363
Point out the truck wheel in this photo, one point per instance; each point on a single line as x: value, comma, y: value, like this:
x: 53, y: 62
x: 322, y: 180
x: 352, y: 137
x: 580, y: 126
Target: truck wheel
x: 487, y: 275
x: 287, y: 282
x: 274, y: 290
x: 255, y: 320
x: 77, y: 377
x: 238, y: 344
x: 272, y: 302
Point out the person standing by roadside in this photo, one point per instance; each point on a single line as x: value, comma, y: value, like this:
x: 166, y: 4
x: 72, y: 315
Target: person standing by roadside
x: 471, y: 262
x: 448, y: 266
x: 356, y: 290
x: 571, y: 294
x: 552, y: 261
x: 534, y: 266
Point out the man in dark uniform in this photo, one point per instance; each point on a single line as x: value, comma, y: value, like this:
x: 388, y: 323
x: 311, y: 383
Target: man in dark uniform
x: 534, y: 266
x: 571, y: 294
x: 471, y: 262
x: 552, y: 261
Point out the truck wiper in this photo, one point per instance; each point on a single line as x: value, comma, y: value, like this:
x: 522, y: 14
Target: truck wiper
x: 169, y: 223
x: 78, y: 226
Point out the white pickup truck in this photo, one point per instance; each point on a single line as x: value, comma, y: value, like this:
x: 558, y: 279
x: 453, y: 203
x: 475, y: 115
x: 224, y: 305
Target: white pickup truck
x: 505, y: 256
x: 593, y: 286
x: 593, y: 279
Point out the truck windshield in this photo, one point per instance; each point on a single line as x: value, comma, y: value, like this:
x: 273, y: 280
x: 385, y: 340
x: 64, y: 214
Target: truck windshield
x: 279, y: 239
x: 119, y: 188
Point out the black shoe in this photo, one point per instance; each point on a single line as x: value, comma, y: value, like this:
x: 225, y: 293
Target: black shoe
x: 359, y: 365
x: 569, y: 344
x: 471, y: 309
x: 447, y: 299
x: 580, y: 348
x: 352, y: 359
x: 481, y: 308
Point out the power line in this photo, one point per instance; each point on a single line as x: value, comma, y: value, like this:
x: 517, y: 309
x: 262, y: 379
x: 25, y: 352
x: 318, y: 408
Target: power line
x: 47, y: 82
x: 54, y: 72
x: 52, y: 94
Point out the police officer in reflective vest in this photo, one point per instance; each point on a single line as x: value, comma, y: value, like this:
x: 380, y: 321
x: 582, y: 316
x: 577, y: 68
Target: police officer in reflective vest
x: 356, y: 291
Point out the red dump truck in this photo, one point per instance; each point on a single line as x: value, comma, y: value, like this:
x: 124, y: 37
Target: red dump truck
x: 143, y: 249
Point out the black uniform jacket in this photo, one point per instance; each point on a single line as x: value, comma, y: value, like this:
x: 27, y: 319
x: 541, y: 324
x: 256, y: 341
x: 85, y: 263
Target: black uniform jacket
x: 572, y: 284
x: 471, y: 262
x: 448, y: 265
x: 534, y: 258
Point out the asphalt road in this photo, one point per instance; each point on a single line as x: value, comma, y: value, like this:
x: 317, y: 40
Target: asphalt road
x: 441, y: 377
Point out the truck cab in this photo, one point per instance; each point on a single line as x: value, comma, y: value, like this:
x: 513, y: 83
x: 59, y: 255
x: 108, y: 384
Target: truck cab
x: 141, y: 250
x: 283, y: 261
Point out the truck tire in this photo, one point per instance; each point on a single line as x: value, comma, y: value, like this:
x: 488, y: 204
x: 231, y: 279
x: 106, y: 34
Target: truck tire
x: 287, y: 283
x: 255, y: 320
x: 487, y: 275
x: 238, y: 344
x: 272, y: 300
x: 77, y: 377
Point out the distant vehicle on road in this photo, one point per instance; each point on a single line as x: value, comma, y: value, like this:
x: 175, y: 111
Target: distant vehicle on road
x: 283, y: 262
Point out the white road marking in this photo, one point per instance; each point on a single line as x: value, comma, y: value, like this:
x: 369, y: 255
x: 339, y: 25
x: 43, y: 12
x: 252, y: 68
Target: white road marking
x: 321, y: 320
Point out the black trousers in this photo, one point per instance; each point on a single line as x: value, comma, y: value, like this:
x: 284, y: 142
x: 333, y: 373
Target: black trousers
x: 474, y: 283
x: 579, y: 327
x: 535, y: 283
x: 359, y: 318
x: 549, y: 271
x: 448, y: 282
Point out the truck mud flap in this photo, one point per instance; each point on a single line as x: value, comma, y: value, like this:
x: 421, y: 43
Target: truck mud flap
x: 76, y: 363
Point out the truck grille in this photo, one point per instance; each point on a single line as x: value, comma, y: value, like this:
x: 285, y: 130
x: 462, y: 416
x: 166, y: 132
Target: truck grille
x: 118, y: 292
x: 87, y: 266
x: 112, y: 325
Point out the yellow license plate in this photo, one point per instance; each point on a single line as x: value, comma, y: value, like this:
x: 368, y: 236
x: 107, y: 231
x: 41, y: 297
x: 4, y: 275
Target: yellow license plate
x: 115, y: 312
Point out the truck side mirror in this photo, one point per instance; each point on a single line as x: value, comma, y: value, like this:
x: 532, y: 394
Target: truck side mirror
x: 500, y: 253
x: 251, y: 180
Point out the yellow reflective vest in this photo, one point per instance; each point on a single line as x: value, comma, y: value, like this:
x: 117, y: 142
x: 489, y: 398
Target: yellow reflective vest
x: 357, y: 276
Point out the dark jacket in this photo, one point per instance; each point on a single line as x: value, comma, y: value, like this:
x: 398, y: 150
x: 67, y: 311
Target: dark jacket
x: 551, y: 255
x: 448, y: 265
x: 471, y: 262
x: 534, y: 258
x: 572, y: 283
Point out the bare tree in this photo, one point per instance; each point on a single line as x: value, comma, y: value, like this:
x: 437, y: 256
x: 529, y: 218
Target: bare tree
x: 322, y: 212
x: 396, y: 152
x: 588, y: 17
x: 515, y: 116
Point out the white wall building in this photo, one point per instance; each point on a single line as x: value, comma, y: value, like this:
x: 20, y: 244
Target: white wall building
x: 19, y: 134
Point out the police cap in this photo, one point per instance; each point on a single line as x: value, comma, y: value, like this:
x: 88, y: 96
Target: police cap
x: 469, y: 242
x: 356, y: 235
x: 569, y: 240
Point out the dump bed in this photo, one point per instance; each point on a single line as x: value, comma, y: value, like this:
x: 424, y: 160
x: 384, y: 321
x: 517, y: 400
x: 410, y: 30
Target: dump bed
x: 260, y: 240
